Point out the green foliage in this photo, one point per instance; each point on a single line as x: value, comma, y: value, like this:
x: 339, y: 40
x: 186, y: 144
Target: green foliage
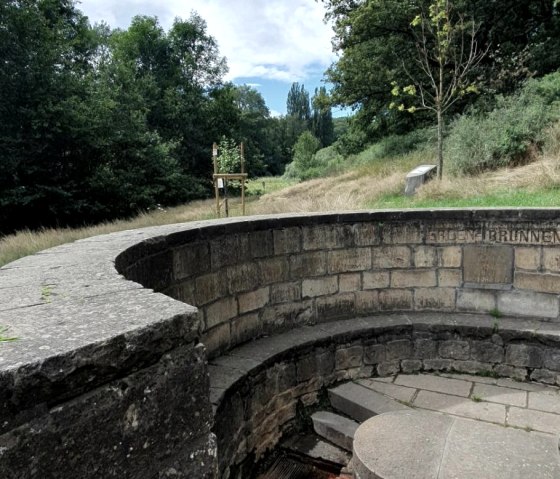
x: 229, y: 156
x: 507, y: 198
x: 305, y: 165
x: 322, y: 124
x: 395, y: 145
x: 508, y: 134
x: 97, y: 124
x: 495, y: 313
x: 297, y: 103
x: 375, y: 41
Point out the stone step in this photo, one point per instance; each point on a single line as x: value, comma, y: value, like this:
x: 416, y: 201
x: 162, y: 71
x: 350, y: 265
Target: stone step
x: 334, y: 428
x: 361, y: 403
x: 312, y: 446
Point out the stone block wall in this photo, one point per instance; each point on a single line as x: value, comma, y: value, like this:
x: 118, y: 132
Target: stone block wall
x: 266, y: 276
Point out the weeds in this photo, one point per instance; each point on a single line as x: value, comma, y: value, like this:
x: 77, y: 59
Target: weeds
x: 495, y: 313
x: 3, y: 335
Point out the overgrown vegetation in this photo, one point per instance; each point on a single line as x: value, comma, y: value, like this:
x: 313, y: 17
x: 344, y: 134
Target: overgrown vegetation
x: 377, y: 45
x: 508, y: 135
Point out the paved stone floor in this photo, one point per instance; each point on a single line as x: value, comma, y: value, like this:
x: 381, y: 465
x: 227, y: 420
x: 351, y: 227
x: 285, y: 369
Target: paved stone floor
x: 528, y: 406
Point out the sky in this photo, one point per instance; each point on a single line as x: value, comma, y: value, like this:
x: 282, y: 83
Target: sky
x: 269, y: 44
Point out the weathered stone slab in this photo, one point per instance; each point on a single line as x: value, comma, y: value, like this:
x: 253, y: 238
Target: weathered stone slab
x: 458, y: 406
x: 334, y: 428
x: 435, y: 383
x: 312, y: 446
x: 528, y: 303
x: 361, y: 403
x: 499, y: 394
x: 380, y: 385
x: 433, y: 446
x: 547, y: 400
x: 488, y: 265
x: 534, y: 420
x: 504, y: 453
x: 417, y: 177
x: 400, y: 445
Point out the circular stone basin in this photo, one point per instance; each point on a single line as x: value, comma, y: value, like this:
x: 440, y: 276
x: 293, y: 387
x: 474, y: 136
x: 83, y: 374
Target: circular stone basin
x: 424, y: 445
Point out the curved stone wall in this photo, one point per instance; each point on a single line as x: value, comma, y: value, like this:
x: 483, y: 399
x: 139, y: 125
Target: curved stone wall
x: 85, y: 389
x: 258, y: 276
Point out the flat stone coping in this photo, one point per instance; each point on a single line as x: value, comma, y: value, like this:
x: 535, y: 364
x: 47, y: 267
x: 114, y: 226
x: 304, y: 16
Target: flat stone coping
x: 426, y: 445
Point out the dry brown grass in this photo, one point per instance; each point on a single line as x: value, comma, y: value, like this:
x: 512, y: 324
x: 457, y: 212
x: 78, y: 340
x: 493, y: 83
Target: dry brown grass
x: 27, y: 242
x: 542, y: 174
x: 342, y: 193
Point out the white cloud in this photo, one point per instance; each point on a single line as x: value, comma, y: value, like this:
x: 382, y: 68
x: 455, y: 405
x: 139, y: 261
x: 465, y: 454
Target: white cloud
x: 273, y: 39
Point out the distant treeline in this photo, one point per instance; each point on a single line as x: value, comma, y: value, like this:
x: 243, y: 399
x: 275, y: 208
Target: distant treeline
x: 97, y: 123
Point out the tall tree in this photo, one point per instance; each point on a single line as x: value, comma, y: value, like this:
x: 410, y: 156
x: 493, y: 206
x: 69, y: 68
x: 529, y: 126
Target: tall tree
x: 447, y: 54
x: 96, y: 124
x: 297, y: 104
x: 373, y: 37
x: 45, y: 51
x: 321, y: 120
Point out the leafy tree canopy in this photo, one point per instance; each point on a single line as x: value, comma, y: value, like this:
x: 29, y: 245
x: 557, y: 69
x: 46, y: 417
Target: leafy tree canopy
x: 375, y: 39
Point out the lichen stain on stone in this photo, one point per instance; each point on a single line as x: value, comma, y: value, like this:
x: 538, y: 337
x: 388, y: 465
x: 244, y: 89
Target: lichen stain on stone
x: 131, y: 418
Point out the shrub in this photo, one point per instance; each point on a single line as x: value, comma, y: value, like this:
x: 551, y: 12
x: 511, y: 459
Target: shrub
x: 395, y: 145
x: 304, y: 164
x: 507, y: 135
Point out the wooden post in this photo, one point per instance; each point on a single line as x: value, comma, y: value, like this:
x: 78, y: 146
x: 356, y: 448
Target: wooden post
x: 242, y: 151
x: 216, y: 189
x: 225, y: 178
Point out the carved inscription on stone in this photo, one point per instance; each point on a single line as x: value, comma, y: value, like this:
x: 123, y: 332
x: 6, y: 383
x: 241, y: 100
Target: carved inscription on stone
x: 488, y: 264
x: 504, y: 233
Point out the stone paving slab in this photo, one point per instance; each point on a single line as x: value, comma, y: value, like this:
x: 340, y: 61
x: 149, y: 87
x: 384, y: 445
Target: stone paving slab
x: 382, y: 446
x: 361, y: 403
x: 480, y: 450
x: 457, y: 406
x: 505, y: 382
x: 401, y: 393
x: 524, y: 405
x: 435, y: 383
x: 534, y: 420
x: 502, y: 395
x: 425, y: 445
x: 548, y: 401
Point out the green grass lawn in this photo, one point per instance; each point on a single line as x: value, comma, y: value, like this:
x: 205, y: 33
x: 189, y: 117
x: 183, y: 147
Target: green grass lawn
x: 505, y: 198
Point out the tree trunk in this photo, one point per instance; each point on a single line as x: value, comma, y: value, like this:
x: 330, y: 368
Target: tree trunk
x: 440, y: 143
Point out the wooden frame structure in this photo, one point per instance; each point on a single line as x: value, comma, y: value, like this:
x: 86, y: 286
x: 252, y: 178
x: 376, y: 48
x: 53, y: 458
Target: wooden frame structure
x: 225, y: 177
